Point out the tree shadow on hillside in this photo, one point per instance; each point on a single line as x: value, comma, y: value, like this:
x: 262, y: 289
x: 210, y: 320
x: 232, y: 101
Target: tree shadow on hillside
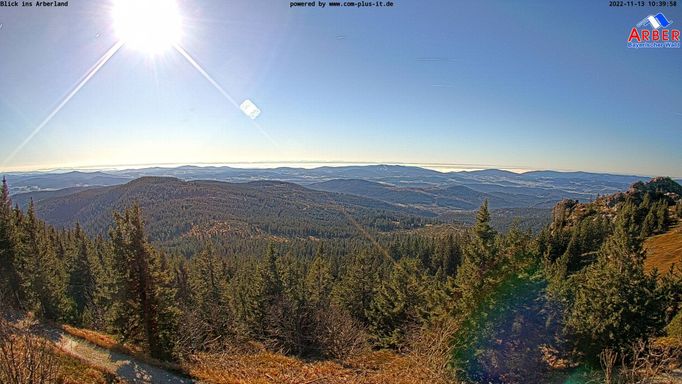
x: 511, y: 345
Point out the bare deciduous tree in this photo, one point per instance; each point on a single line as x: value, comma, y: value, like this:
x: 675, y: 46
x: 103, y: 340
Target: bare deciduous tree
x: 608, y: 359
x: 338, y: 334
x: 645, y: 361
x: 649, y: 360
x: 432, y: 347
x: 24, y: 357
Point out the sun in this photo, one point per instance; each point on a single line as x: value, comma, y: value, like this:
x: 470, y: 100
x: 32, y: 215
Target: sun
x: 150, y: 26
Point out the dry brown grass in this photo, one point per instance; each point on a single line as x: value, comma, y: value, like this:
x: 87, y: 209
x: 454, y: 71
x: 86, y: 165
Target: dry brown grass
x: 254, y: 364
x: 669, y: 342
x: 426, y: 359
x: 110, y: 343
x: 268, y: 368
x: 27, y: 357
x: 73, y: 370
x: 100, y: 339
x: 664, y: 250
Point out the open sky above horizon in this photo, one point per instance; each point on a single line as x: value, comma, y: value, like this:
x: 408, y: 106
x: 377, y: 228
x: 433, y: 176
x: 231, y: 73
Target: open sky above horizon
x: 511, y: 85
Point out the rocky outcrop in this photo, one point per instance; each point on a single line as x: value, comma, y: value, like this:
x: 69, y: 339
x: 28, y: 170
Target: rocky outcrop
x: 567, y: 212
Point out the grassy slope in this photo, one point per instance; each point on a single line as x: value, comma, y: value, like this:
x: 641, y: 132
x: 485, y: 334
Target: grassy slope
x: 67, y: 368
x: 374, y: 367
x: 72, y: 370
x: 108, y: 342
x: 261, y: 366
x: 664, y: 250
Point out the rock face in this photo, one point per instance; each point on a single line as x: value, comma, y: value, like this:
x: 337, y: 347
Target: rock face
x: 561, y: 211
x: 658, y: 185
x: 569, y: 212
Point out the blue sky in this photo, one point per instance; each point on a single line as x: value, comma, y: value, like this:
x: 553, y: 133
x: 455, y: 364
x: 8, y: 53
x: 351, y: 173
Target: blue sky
x: 521, y: 85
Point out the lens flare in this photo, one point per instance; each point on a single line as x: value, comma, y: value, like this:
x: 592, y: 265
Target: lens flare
x: 220, y: 89
x: 83, y: 80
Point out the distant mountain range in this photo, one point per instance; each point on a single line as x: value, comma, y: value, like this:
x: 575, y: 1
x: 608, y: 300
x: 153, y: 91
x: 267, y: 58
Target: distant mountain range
x: 408, y: 185
x: 320, y: 202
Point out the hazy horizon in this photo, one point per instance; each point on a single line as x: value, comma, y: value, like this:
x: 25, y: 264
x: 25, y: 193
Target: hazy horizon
x: 443, y: 168
x: 409, y: 84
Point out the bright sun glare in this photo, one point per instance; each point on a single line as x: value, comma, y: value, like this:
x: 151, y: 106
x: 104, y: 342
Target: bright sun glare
x: 150, y: 26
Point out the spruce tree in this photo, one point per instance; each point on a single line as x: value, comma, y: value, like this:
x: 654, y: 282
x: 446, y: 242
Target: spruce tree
x: 168, y: 312
x: 208, y: 289
x: 400, y: 303
x: 483, y: 230
x: 359, y: 283
x: 105, y: 277
x: 290, y: 321
x: 81, y: 280
x: 143, y: 303
x: 447, y: 257
x: 10, y: 282
x: 662, y: 217
x: 319, y: 281
x: 480, y: 262
x: 650, y: 223
x: 42, y: 276
x: 615, y: 301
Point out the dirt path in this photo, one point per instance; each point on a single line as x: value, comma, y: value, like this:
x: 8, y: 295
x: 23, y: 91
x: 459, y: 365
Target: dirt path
x: 126, y: 367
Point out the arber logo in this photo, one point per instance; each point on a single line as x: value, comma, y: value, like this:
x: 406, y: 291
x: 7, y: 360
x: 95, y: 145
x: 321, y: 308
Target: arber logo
x: 653, y: 32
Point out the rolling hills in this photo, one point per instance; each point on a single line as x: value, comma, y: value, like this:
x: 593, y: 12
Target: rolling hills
x: 504, y: 189
x: 174, y: 208
x: 295, y: 202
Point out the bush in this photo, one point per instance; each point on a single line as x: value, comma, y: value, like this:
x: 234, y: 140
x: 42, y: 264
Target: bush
x: 431, y: 346
x: 24, y: 357
x: 644, y: 361
x: 674, y: 329
x: 338, y: 335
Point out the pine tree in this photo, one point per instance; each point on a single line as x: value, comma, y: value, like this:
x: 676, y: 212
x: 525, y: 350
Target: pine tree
x: 208, y: 289
x: 10, y: 282
x: 319, y: 281
x: 168, y: 310
x: 359, y: 284
x: 142, y: 297
x: 400, y: 303
x: 42, y: 276
x: 81, y: 280
x: 447, y: 257
x: 484, y: 232
x: 480, y: 262
x: 615, y: 301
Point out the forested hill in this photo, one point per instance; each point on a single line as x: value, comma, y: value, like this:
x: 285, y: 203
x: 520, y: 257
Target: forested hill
x: 174, y: 208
